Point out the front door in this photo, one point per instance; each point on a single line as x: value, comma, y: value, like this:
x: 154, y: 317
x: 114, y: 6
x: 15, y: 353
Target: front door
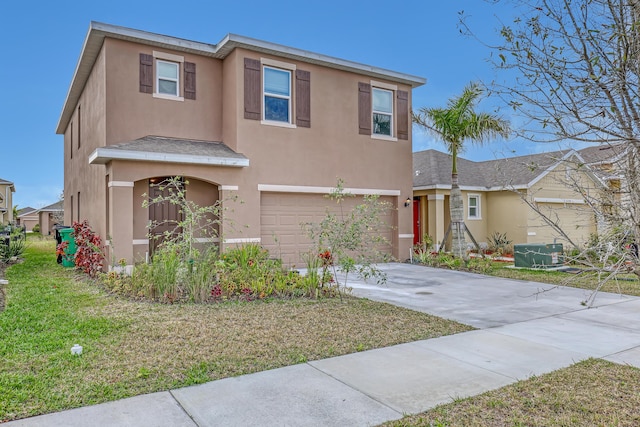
x: 416, y: 221
x: 163, y: 215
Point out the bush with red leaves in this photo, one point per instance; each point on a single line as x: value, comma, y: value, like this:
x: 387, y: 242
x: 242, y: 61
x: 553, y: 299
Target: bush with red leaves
x: 89, y: 254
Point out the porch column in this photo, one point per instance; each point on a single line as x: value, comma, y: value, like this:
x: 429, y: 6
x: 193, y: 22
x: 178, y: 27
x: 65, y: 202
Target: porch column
x: 120, y: 222
x: 436, y: 217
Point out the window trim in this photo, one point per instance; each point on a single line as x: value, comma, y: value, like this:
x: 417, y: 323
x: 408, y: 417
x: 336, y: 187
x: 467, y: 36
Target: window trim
x: 175, y: 80
x: 289, y: 97
x: 373, y: 84
x: 282, y: 66
x: 172, y: 59
x: 478, y: 205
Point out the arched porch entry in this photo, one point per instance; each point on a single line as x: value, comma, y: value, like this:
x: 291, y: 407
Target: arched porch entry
x: 174, y: 203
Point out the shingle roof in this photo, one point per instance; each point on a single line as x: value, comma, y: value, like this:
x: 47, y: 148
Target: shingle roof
x: 433, y: 168
x: 26, y: 210
x: 175, y: 150
x: 54, y: 207
x: 602, y: 153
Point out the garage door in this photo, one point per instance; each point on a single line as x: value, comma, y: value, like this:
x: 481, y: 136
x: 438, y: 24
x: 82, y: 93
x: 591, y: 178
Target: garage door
x: 576, y: 220
x: 282, y: 216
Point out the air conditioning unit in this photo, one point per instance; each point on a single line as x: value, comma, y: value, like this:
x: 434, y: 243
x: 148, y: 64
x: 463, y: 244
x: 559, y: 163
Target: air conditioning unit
x: 538, y: 255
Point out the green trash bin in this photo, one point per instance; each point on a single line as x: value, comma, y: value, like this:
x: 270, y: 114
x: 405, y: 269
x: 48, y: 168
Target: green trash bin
x: 68, y: 259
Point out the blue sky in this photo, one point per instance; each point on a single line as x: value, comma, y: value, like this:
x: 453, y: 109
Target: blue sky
x: 41, y: 40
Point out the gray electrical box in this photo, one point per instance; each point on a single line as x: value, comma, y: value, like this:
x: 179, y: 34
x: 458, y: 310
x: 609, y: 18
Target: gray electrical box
x: 538, y: 255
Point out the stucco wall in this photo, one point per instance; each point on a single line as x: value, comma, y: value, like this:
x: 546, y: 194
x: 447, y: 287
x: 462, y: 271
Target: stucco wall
x: 132, y: 114
x: 79, y: 176
x: 115, y: 111
x: 506, y: 213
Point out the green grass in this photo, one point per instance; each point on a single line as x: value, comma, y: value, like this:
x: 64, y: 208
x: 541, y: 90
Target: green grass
x: 627, y: 284
x: 43, y: 319
x: 132, y: 347
x: 590, y: 393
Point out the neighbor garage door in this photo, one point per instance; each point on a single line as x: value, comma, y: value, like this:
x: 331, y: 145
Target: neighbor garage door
x: 282, y: 216
x: 576, y: 220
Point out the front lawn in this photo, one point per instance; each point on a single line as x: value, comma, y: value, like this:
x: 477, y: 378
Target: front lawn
x: 132, y: 347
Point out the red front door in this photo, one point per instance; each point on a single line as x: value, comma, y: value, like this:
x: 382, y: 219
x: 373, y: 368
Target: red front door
x: 416, y: 221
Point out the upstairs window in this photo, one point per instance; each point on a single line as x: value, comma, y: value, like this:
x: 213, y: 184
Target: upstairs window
x: 167, y: 81
x: 382, y: 112
x: 167, y: 76
x: 277, y: 95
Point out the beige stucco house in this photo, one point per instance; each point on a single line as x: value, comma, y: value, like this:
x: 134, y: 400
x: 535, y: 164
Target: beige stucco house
x: 46, y: 217
x: 502, y: 196
x: 27, y: 218
x: 273, y: 125
x: 6, y: 201
x: 49, y: 216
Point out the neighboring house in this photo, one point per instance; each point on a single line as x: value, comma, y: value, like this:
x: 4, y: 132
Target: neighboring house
x: 6, y: 201
x: 49, y: 216
x: 609, y: 163
x: 27, y: 218
x: 274, y: 125
x: 499, y: 196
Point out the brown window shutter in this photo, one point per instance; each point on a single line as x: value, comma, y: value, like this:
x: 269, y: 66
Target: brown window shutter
x: 303, y: 98
x: 364, y: 108
x: 146, y: 73
x: 251, y: 89
x: 403, y: 114
x: 189, y: 80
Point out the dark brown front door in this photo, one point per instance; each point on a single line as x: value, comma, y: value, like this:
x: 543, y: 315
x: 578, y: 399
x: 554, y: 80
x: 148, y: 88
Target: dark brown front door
x: 164, y: 215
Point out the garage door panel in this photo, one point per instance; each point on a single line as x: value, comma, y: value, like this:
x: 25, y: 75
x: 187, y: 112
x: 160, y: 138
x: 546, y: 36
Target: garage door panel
x: 576, y: 220
x: 282, y: 216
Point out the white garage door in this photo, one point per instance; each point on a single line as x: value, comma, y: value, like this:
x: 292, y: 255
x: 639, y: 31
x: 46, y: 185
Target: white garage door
x: 282, y: 216
x: 576, y: 220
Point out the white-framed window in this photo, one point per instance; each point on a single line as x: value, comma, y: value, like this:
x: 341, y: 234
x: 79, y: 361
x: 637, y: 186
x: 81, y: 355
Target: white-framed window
x: 167, y: 78
x: 276, y: 94
x: 382, y: 111
x: 473, y: 206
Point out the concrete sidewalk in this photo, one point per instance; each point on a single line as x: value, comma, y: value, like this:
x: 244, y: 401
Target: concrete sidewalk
x: 525, y: 329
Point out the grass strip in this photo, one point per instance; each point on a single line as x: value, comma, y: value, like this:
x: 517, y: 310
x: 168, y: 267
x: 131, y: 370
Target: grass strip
x: 590, y: 393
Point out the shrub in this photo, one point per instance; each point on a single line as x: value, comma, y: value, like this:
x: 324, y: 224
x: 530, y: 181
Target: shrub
x: 244, y: 273
x: 89, y: 255
x: 13, y: 249
x: 353, y: 238
x: 498, y: 242
x: 36, y: 228
x: 247, y: 273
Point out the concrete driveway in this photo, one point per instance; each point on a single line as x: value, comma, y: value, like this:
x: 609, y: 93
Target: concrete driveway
x: 474, y: 299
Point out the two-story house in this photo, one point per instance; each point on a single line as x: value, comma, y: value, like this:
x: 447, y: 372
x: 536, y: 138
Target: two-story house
x: 273, y: 125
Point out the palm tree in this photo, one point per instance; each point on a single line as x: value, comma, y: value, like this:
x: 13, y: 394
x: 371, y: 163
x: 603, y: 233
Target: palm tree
x: 455, y: 124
